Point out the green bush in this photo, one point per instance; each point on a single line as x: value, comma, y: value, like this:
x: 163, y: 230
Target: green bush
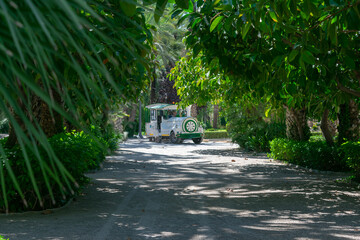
x: 351, y: 154
x: 316, y: 155
x: 256, y: 135
x: 77, y: 145
x: 4, y: 126
x: 215, y: 130
x: 132, y: 128
x: 108, y: 134
x: 215, y: 134
x: 77, y: 151
x: 248, y: 128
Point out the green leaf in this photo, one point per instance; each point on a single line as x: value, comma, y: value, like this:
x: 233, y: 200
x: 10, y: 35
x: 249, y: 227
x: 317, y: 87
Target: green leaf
x: 332, y: 33
x: 176, y: 13
x: 216, y: 2
x: 182, y: 19
x: 159, y: 10
x: 215, y: 22
x: 313, y: 49
x: 225, y: 7
x: 273, y: 16
x: 349, y: 62
x: 308, y: 57
x: 191, y: 7
x: 228, y: 23
x: 293, y: 55
x: 267, y: 112
x: 246, y: 29
x: 196, y: 50
x: 128, y: 7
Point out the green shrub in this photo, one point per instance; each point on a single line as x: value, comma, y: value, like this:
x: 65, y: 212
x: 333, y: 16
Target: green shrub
x: 77, y: 151
x: 256, y: 135
x: 316, y: 136
x: 108, y: 134
x: 316, y: 155
x: 4, y: 126
x: 2, y: 238
x: 132, y: 128
x: 215, y: 130
x: 351, y: 154
x: 77, y: 145
x: 216, y: 134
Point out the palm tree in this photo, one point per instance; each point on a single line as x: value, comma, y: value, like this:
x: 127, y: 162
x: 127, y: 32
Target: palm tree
x: 168, y: 49
x: 65, y: 60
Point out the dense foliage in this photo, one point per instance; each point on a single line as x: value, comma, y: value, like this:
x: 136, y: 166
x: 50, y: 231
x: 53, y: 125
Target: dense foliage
x: 65, y: 63
x: 215, y: 134
x: 78, y: 151
x: 351, y: 154
x: 316, y: 155
x: 251, y: 131
x: 301, y: 55
x: 276, y: 48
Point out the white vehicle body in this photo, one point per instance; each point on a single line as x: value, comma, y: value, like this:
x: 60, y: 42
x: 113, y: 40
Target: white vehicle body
x: 176, y: 128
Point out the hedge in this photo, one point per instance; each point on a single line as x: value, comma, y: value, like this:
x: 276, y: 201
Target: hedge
x: 351, y: 153
x: 216, y: 134
x: 318, y: 155
x: 77, y: 151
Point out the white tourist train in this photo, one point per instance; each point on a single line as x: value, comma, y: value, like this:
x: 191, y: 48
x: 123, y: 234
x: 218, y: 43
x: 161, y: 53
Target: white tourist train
x: 168, y: 122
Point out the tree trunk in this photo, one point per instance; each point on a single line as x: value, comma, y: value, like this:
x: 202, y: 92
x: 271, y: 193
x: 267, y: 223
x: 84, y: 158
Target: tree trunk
x: 194, y: 110
x: 153, y: 98
x: 216, y: 116
x: 132, y: 114
x: 325, y: 128
x: 296, y: 125
x: 349, y: 125
x: 49, y: 120
x: 105, y: 119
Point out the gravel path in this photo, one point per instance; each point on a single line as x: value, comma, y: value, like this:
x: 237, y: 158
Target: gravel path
x: 208, y: 191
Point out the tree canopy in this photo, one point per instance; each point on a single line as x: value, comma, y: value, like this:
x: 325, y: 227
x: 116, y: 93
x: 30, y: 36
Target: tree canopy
x: 291, y: 52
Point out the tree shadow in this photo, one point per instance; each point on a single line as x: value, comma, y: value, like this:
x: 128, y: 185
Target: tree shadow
x: 142, y: 193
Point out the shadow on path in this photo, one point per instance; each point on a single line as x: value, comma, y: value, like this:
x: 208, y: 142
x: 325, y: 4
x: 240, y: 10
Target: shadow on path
x: 163, y: 191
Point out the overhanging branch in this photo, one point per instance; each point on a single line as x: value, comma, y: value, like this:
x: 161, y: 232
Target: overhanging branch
x: 346, y: 89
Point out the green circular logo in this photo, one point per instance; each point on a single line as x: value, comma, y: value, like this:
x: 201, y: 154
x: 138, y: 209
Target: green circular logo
x: 189, y: 125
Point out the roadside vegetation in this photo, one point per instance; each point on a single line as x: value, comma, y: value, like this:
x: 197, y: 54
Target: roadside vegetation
x: 261, y: 69
x: 273, y: 66
x: 77, y: 152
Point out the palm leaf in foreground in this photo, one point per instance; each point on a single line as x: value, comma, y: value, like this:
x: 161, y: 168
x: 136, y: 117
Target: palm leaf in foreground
x: 63, y: 58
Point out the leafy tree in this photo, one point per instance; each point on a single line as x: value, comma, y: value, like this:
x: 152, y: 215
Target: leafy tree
x: 168, y: 48
x: 296, y: 54
x: 66, y: 60
x: 195, y: 82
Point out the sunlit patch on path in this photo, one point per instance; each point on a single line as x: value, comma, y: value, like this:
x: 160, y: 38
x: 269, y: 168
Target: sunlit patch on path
x: 207, y: 191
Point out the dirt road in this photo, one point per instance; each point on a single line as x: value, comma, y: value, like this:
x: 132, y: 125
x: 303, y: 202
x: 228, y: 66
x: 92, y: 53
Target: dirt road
x: 208, y: 191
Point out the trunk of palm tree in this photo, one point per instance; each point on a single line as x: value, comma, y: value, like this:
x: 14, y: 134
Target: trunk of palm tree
x: 132, y: 113
x: 296, y: 124
x: 105, y: 118
x: 48, y: 120
x: 349, y: 124
x: 325, y: 128
x: 216, y: 116
x: 153, y: 98
x: 194, y: 110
